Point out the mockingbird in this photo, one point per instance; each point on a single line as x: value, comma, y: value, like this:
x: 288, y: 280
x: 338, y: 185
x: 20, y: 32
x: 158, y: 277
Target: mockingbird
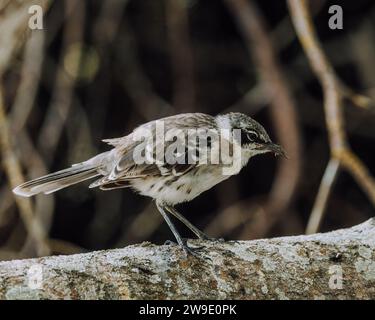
x: 178, y: 179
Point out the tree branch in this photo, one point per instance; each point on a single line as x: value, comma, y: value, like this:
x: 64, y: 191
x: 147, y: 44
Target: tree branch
x: 301, y: 267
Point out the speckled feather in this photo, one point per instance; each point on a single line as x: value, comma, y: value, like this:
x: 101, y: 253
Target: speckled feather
x: 167, y: 183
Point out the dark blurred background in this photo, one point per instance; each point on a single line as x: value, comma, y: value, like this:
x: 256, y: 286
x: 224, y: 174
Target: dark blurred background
x: 100, y: 68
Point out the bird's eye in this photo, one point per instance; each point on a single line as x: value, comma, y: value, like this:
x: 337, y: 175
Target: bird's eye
x: 252, y: 136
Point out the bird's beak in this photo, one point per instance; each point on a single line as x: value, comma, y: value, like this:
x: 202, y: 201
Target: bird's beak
x: 276, y: 149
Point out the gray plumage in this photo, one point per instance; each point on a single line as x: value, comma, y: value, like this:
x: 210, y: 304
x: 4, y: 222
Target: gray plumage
x: 116, y: 167
x: 168, y: 184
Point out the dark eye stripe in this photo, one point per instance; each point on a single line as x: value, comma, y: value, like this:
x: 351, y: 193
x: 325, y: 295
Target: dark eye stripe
x: 252, y: 136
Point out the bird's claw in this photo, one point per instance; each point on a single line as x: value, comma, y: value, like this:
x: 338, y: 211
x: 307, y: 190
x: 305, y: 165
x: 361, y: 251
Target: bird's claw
x: 188, y: 250
x: 169, y: 243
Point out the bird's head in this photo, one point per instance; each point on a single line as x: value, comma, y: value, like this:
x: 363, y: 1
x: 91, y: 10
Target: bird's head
x: 253, y: 137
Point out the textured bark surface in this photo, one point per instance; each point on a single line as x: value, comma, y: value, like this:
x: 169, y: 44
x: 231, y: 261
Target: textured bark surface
x: 300, y: 267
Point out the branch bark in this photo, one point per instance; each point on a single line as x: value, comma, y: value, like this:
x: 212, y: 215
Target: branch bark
x: 299, y: 267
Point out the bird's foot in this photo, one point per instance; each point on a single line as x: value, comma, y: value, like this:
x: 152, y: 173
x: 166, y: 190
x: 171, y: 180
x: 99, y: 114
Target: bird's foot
x: 169, y: 243
x: 192, y: 251
x: 188, y: 250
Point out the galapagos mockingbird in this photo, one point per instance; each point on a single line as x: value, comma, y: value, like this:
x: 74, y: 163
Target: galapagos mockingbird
x: 178, y: 180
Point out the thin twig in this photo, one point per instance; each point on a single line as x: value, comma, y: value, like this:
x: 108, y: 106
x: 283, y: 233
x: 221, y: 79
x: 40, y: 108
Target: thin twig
x: 30, y: 75
x: 15, y: 177
x: 281, y: 37
x: 333, y: 98
x: 20, y: 111
x: 57, y: 115
x: 13, y: 24
x: 321, y: 199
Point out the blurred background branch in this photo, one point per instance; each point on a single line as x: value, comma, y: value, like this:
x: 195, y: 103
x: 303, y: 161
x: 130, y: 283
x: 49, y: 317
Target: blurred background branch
x: 181, y: 55
x: 14, y: 26
x: 283, y: 115
x: 334, y: 93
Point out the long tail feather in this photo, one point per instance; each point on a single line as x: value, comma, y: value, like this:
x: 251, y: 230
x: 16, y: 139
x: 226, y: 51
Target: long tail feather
x: 57, y: 180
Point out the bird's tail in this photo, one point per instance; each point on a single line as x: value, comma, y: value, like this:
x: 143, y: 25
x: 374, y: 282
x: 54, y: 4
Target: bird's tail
x: 58, y: 180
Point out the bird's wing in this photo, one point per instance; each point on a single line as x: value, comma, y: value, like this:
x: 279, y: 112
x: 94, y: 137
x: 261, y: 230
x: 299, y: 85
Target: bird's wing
x: 127, y: 167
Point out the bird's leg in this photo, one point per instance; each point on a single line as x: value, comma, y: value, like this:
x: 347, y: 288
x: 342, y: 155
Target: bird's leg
x: 182, y: 242
x: 199, y: 233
